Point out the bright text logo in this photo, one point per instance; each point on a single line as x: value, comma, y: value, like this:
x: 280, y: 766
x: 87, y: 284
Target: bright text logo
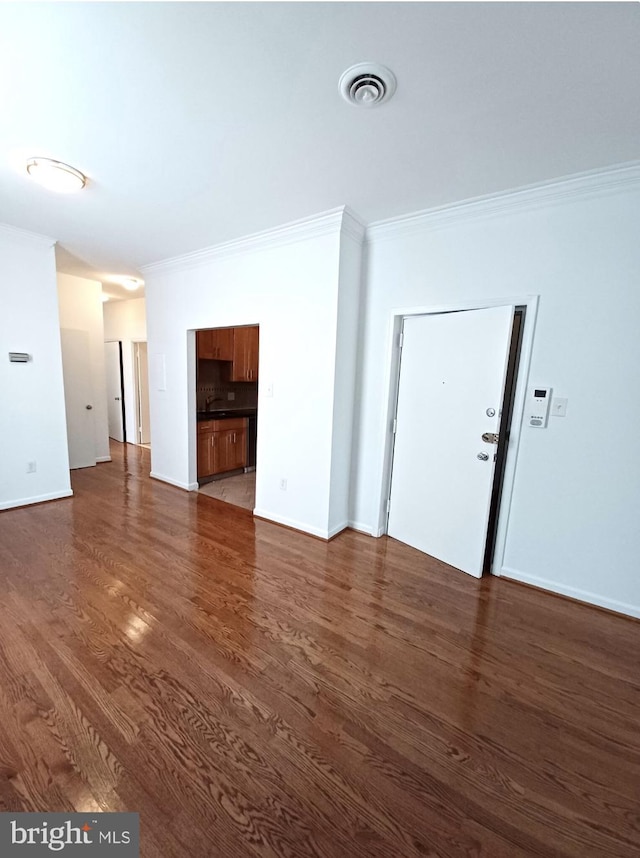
x: 72, y: 834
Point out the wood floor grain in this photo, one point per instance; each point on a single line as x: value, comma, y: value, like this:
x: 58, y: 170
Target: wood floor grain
x: 251, y: 691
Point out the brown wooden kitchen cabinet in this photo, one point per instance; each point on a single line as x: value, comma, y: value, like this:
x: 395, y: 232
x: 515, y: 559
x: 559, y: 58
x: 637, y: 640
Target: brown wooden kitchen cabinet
x: 222, y: 446
x: 205, y: 450
x: 245, y: 354
x: 215, y: 344
x: 229, y: 449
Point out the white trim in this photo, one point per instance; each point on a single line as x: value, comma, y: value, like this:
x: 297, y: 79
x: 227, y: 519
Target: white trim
x: 391, y: 384
x: 67, y: 493
x: 25, y: 236
x: 338, y: 528
x: 187, y: 487
x: 325, y: 223
x: 361, y: 527
x: 103, y: 459
x: 302, y: 526
x: 573, y: 592
x: 566, y: 189
x: 352, y: 225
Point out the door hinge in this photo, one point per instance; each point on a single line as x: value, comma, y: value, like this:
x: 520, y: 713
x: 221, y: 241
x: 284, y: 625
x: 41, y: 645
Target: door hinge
x: 388, y: 505
x: 401, y: 339
x: 394, y: 425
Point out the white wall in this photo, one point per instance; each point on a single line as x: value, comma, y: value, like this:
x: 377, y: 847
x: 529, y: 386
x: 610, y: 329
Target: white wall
x: 80, y: 307
x: 287, y: 282
x: 347, y: 336
x: 127, y: 321
x: 32, y: 416
x: 573, y: 526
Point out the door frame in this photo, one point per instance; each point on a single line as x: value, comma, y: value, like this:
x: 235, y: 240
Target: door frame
x: 391, y: 384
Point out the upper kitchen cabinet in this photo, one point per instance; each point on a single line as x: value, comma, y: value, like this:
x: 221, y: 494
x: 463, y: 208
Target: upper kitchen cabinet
x: 245, y: 354
x: 215, y: 344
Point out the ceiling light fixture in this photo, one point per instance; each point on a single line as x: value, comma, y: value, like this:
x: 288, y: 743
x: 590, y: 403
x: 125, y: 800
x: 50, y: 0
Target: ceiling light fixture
x: 367, y: 84
x: 55, y: 175
x: 131, y: 283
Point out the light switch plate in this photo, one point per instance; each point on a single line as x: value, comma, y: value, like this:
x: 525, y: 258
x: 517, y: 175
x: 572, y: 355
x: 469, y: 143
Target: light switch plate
x: 559, y: 406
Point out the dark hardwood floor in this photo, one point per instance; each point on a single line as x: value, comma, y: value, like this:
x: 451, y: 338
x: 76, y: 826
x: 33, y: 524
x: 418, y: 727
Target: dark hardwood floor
x: 252, y: 691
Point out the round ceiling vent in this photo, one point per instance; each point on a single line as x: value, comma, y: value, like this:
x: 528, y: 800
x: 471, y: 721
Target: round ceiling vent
x: 367, y: 84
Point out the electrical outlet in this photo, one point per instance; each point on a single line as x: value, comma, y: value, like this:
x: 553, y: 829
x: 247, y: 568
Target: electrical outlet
x: 269, y: 390
x: 31, y: 467
x: 283, y: 485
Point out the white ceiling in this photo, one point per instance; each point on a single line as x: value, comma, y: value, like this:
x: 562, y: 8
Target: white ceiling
x: 198, y: 123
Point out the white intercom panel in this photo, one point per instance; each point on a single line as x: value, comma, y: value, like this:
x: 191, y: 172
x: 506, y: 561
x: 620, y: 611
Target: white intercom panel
x: 538, y: 408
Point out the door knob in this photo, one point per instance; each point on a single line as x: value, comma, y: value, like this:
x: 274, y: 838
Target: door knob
x: 484, y: 457
x: 490, y: 437
x: 88, y: 407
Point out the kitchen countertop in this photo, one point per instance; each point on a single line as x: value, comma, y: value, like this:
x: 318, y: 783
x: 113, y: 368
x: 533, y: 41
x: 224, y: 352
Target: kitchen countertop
x: 222, y: 413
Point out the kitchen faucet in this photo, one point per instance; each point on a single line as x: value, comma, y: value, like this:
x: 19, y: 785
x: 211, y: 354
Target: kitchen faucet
x: 209, y: 400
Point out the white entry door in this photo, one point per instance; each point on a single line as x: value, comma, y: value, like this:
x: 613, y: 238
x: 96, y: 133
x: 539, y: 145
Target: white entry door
x: 114, y: 390
x: 452, y: 375
x: 78, y: 398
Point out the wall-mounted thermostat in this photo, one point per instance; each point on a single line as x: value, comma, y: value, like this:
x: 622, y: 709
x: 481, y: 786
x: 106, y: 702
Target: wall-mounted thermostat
x: 538, y: 407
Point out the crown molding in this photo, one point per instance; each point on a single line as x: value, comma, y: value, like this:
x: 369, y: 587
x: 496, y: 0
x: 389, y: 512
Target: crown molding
x: 353, y: 225
x: 325, y: 223
x: 26, y: 237
x: 580, y: 185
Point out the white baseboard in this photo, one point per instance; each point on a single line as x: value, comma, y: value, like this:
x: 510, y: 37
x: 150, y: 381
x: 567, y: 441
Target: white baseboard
x: 338, y: 528
x: 67, y: 493
x: 187, y: 487
x: 103, y: 459
x: 361, y: 527
x: 572, y: 592
x: 293, y: 523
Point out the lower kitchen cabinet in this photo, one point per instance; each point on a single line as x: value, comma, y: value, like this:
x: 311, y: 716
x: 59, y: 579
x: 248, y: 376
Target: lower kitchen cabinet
x: 205, y: 451
x: 222, y: 446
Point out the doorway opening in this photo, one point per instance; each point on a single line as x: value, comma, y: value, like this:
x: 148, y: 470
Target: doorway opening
x: 504, y: 433
x: 114, y: 371
x: 141, y: 385
x: 226, y: 397
x: 458, y: 386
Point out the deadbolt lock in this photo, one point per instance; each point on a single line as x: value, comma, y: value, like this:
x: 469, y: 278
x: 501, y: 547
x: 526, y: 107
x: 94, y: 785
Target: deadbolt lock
x: 490, y: 437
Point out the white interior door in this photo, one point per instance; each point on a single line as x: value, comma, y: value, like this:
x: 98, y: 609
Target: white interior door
x: 114, y: 390
x: 142, y: 392
x: 78, y: 396
x: 452, y: 374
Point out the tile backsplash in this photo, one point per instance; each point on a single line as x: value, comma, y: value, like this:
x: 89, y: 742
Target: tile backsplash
x: 212, y: 386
